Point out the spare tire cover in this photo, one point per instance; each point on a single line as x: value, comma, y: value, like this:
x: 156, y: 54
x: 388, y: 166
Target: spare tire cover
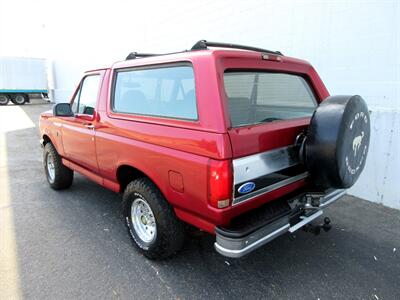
x: 337, y: 141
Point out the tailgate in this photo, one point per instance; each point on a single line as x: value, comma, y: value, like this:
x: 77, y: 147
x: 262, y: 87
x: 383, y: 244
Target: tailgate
x: 266, y: 171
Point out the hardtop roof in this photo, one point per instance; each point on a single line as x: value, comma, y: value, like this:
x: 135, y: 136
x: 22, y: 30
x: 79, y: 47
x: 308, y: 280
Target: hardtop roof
x: 190, y: 56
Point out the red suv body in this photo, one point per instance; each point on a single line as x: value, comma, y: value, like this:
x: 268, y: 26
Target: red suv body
x: 169, y: 118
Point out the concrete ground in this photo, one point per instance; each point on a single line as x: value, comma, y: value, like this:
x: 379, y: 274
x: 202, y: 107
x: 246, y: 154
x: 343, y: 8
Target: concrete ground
x: 73, y: 244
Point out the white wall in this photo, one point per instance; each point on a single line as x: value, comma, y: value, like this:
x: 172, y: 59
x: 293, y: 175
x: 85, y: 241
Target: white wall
x: 354, y: 45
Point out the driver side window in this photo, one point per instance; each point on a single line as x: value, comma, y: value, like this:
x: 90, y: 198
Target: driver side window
x: 86, y: 98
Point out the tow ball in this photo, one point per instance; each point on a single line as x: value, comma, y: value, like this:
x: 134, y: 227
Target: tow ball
x: 316, y: 229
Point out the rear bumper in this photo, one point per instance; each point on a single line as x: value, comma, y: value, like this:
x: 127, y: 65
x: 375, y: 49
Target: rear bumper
x: 237, y: 244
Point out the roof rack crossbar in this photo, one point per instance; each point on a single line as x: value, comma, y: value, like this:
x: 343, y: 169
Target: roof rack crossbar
x: 134, y: 55
x: 203, y: 44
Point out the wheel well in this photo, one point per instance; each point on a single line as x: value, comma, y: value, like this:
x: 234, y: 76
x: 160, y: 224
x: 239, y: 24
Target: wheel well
x: 126, y: 174
x: 46, y: 140
x: 26, y: 96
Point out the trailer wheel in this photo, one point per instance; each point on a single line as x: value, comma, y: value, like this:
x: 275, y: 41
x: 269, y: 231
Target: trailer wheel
x: 20, y: 99
x: 4, y: 99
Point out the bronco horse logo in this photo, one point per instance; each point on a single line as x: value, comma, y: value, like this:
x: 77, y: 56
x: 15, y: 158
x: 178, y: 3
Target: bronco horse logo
x: 357, y: 142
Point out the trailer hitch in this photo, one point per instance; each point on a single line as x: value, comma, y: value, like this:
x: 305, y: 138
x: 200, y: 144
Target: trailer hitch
x: 316, y: 229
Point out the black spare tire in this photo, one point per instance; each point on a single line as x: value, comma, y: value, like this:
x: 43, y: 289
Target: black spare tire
x: 337, y: 141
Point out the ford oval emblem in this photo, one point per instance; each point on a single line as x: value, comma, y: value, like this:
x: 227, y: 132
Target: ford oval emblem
x: 246, y: 187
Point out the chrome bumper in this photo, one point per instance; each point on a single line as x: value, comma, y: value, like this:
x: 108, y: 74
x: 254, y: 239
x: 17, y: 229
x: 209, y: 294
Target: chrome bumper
x: 331, y: 197
x: 239, y: 246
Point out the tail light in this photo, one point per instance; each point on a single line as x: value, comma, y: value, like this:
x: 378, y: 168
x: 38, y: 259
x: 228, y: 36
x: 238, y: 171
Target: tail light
x: 219, y: 183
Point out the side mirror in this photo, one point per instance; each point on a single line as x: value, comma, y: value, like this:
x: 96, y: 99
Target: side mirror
x: 62, y: 110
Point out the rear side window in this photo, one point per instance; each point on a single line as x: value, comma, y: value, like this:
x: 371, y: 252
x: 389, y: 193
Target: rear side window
x: 258, y: 97
x: 165, y: 91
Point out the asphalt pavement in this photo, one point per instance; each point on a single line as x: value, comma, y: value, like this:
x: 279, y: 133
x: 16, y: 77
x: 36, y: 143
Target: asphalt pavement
x: 73, y: 243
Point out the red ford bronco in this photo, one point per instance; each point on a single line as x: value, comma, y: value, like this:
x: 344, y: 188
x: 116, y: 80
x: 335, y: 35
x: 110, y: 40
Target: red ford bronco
x: 241, y: 142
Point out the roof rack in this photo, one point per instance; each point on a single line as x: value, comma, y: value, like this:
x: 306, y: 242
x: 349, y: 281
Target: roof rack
x: 203, y: 44
x: 134, y: 55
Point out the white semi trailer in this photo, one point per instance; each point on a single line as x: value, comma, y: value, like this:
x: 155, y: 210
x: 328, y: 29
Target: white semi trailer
x: 21, y: 79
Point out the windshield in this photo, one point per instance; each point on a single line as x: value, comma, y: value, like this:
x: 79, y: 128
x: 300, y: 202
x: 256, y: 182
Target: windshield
x: 257, y: 97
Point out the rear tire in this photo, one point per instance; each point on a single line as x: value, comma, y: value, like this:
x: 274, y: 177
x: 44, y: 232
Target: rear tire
x: 20, y: 99
x: 143, y: 204
x: 58, y: 176
x: 4, y: 99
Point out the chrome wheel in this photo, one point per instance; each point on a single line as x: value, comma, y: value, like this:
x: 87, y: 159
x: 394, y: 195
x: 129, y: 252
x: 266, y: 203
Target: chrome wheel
x: 50, y: 167
x: 143, y: 220
x: 19, y: 99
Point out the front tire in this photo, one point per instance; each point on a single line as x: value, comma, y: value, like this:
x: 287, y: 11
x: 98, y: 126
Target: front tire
x: 58, y: 176
x: 155, y: 230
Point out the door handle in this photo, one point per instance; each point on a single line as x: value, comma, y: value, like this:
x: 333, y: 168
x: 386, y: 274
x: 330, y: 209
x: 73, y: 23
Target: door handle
x: 89, y: 126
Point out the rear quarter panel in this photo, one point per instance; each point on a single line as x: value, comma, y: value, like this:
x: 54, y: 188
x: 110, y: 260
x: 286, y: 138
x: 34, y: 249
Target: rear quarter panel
x: 156, y: 154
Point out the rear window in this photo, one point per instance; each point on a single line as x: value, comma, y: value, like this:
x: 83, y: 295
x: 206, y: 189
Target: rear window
x: 164, y: 91
x: 257, y: 97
